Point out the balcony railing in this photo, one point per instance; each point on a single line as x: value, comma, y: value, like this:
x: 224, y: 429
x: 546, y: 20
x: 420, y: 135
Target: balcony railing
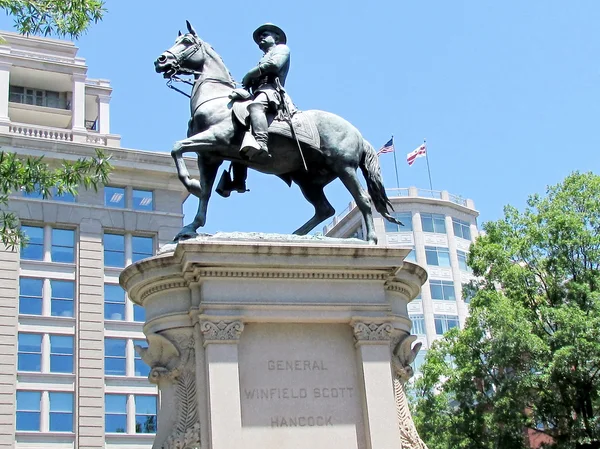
x: 41, y: 132
x: 412, y: 192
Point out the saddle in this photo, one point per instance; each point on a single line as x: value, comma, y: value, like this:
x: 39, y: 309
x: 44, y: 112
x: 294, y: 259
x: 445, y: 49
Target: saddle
x: 306, y: 131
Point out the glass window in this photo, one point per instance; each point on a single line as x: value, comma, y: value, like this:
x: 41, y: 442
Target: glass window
x: 63, y: 245
x: 114, y: 302
x: 419, y: 360
x: 34, y: 194
x: 15, y: 94
x: 65, y: 197
x: 145, y: 414
x: 404, y: 217
x: 114, y: 250
x: 114, y: 197
x: 141, y: 369
x: 442, y: 290
x: 30, y: 296
x: 61, y: 412
x: 143, y: 200
x: 462, y: 261
x: 438, y: 256
x: 142, y: 247
x: 35, y: 243
x: 28, y: 410
x: 444, y: 323
x: 461, y: 228
x: 433, y: 223
x: 61, y: 354
x: 115, y: 417
x: 418, y: 324
x: 61, y: 298
x: 29, y: 352
x: 139, y: 313
x: 411, y: 257
x: 115, y: 356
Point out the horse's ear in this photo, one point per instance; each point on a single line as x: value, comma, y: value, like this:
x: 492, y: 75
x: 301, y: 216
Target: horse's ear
x: 179, y: 33
x: 191, y: 28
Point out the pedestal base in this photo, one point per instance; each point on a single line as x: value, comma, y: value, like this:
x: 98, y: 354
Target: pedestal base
x: 277, y: 343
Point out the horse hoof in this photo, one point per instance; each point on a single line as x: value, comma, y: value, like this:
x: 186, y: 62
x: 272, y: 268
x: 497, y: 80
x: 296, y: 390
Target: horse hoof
x: 185, y: 235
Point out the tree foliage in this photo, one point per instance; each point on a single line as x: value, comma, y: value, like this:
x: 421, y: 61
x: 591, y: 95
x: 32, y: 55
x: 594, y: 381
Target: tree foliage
x: 35, y: 175
x: 61, y: 17
x: 528, y: 359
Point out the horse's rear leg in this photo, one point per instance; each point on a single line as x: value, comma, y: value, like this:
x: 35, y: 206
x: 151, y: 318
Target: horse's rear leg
x: 349, y: 178
x: 323, y: 209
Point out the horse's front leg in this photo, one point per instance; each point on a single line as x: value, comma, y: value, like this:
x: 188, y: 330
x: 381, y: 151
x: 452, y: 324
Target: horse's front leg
x: 179, y: 149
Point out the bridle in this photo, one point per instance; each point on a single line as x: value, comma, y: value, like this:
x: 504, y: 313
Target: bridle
x: 177, y: 68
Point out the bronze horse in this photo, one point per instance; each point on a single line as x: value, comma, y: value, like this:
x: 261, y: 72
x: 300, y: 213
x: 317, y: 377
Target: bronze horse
x: 215, y: 136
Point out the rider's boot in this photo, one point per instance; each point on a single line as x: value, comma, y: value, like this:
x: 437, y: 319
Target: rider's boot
x: 260, y: 131
x: 240, y: 173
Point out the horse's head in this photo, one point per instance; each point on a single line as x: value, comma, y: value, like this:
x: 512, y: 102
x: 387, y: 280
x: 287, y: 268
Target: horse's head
x: 185, y: 56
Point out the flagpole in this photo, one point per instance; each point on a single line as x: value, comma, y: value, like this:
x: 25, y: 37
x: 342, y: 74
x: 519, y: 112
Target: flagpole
x: 396, y: 163
x: 427, y: 158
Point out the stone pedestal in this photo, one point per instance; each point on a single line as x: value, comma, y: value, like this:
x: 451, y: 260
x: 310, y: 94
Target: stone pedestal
x: 289, y: 343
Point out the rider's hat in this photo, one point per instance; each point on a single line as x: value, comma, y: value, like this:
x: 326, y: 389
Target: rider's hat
x: 273, y: 29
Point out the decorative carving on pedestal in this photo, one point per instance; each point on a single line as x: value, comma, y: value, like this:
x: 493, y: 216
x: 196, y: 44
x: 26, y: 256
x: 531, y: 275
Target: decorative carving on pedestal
x: 222, y: 331
x: 403, y: 354
x: 372, y: 331
x: 172, y: 363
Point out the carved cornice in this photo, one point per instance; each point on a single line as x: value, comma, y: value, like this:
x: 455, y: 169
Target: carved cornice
x: 221, y: 332
x: 161, y: 287
x: 289, y: 274
x: 372, y: 332
x: 398, y: 287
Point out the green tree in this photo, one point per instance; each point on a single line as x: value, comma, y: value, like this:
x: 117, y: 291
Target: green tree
x: 35, y: 175
x: 529, y: 355
x: 61, y: 17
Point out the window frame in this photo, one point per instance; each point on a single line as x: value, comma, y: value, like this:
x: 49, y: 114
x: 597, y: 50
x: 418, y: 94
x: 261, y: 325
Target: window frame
x: 404, y: 217
x: 31, y: 244
x: 437, y: 249
x: 155, y: 414
x: 53, y: 245
x: 115, y: 357
x: 18, y: 410
x: 109, y: 302
x: 420, y: 319
x: 20, y: 352
x: 437, y: 221
x: 115, y: 190
x: 462, y: 226
x: 62, y: 355
x: 444, y: 320
x: 59, y: 412
x: 40, y: 298
x: 108, y: 413
x: 445, y: 287
x: 55, y: 300
x: 141, y: 207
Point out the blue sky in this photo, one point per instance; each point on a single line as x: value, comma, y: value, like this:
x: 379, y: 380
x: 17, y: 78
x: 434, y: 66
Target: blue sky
x: 506, y: 93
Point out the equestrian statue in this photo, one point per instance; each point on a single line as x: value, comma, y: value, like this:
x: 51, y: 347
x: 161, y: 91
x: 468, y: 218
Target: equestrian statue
x: 258, y: 126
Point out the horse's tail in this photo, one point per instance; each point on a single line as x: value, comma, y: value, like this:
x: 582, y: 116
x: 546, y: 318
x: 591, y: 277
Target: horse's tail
x: 369, y: 165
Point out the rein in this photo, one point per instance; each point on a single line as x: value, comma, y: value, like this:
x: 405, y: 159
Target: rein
x: 178, y: 69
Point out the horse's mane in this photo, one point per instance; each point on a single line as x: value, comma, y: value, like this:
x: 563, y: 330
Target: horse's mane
x: 213, y: 53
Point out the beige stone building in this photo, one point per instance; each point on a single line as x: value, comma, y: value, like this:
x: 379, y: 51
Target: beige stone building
x: 439, y: 227
x: 69, y: 375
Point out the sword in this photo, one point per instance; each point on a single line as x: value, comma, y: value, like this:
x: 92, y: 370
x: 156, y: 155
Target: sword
x: 288, y: 116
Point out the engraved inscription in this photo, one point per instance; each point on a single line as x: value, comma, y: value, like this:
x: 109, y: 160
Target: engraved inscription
x: 300, y: 380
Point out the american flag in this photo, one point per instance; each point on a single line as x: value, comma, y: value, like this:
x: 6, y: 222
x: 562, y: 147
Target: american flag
x: 387, y: 148
x: 419, y: 152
